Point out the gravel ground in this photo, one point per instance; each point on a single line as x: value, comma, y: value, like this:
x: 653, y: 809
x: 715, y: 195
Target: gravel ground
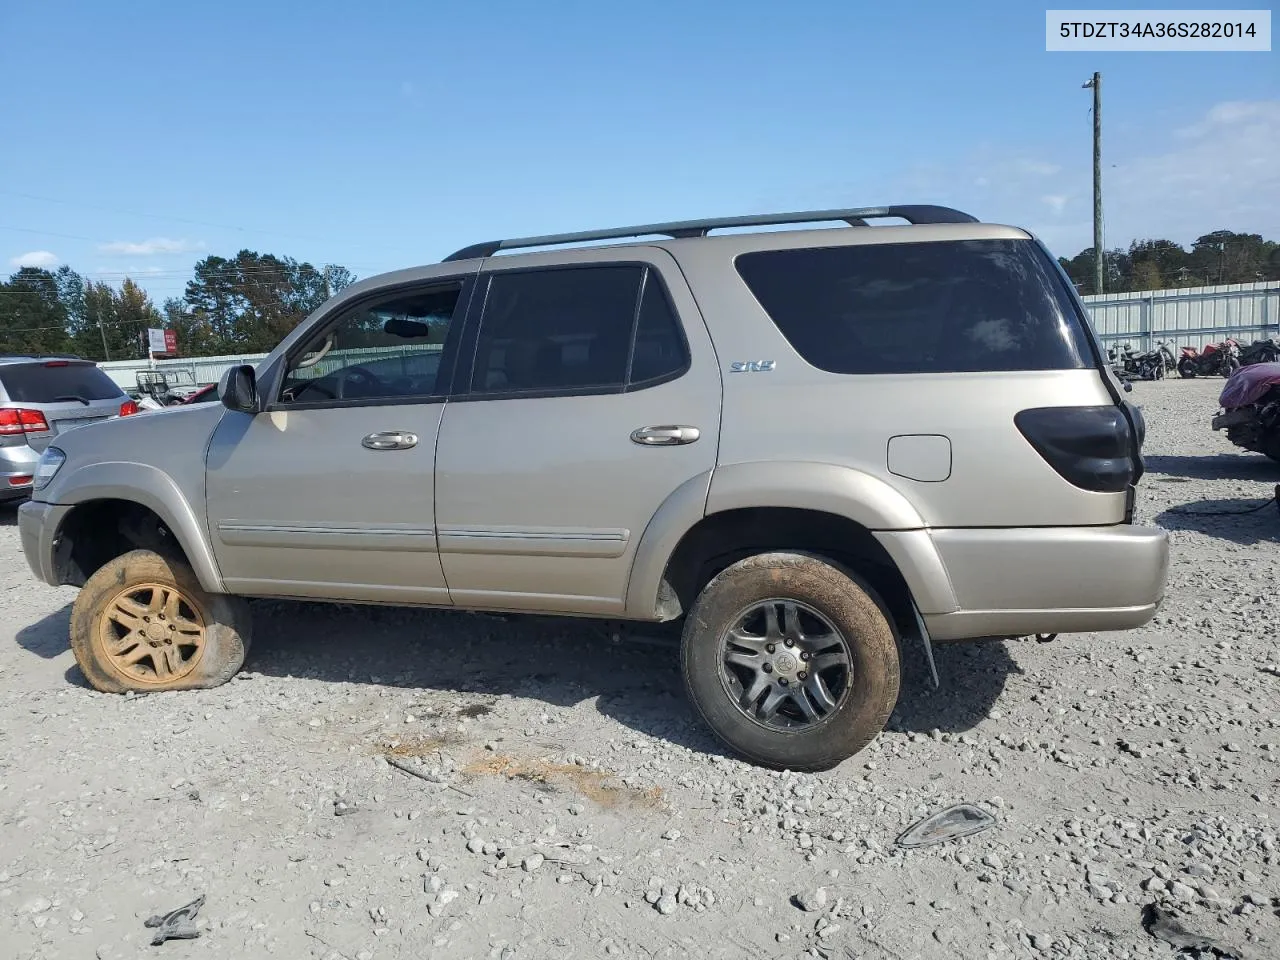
x: 569, y: 805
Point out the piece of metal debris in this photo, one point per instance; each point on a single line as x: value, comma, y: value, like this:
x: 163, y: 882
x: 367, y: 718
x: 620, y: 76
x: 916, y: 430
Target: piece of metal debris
x: 961, y: 820
x: 178, y: 924
x: 1163, y: 925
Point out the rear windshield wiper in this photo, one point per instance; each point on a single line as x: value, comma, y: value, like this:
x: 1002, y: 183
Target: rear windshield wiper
x: 70, y: 396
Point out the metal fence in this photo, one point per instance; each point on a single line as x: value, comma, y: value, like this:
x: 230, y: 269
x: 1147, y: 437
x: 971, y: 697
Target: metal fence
x: 204, y: 369
x: 1192, y: 316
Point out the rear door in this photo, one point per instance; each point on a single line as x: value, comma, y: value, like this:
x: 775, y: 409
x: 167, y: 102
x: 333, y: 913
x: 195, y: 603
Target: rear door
x: 590, y: 394
x: 63, y: 393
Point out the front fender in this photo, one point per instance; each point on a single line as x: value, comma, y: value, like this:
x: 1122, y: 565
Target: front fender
x: 153, y: 489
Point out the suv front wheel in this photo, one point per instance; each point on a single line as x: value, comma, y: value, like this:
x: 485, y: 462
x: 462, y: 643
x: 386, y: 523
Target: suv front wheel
x: 791, y: 661
x: 143, y: 622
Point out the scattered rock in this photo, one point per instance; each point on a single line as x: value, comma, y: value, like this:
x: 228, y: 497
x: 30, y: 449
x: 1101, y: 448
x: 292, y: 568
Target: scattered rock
x: 813, y: 900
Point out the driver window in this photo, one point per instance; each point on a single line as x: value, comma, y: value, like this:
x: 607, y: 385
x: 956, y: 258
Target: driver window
x: 384, y: 349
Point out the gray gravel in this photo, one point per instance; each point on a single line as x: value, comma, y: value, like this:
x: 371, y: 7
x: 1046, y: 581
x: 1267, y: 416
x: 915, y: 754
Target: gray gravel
x: 555, y: 797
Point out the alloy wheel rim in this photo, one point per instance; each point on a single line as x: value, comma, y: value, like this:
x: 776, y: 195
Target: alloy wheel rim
x: 784, y: 665
x: 152, y: 633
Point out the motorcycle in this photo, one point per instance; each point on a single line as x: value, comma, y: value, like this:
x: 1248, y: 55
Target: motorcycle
x: 1154, y: 364
x: 1120, y: 358
x: 1151, y: 365
x: 1250, y: 409
x: 1220, y: 359
x: 1260, y: 351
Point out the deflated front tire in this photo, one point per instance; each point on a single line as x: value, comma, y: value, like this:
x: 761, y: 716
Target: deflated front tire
x: 143, y: 622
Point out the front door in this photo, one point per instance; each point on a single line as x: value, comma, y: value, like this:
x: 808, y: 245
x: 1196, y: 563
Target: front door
x: 330, y: 491
x: 584, y: 403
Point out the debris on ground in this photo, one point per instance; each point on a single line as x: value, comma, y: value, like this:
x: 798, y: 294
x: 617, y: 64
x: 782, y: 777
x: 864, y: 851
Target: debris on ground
x: 178, y: 924
x: 961, y: 820
x: 1164, y: 925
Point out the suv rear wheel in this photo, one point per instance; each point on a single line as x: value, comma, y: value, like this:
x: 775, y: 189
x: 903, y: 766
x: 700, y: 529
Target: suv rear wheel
x: 791, y: 661
x: 144, y: 623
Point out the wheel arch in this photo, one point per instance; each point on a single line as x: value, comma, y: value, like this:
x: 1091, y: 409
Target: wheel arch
x: 104, y: 496
x: 850, y: 516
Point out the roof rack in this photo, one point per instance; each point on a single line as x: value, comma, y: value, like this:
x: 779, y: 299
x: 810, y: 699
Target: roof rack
x: 855, y: 217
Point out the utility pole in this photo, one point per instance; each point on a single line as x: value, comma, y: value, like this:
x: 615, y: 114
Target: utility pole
x: 103, y: 330
x: 1096, y: 84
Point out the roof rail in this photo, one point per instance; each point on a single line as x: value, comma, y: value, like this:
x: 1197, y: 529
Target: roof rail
x: 855, y: 217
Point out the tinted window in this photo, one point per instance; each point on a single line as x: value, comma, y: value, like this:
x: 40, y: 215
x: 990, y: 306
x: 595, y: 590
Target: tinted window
x: 39, y: 383
x: 562, y: 329
x: 920, y: 307
x: 660, y: 349
x: 387, y: 349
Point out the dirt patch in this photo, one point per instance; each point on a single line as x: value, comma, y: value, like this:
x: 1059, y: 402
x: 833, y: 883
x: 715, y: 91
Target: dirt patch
x: 475, y: 710
x: 598, y: 786
x: 418, y: 746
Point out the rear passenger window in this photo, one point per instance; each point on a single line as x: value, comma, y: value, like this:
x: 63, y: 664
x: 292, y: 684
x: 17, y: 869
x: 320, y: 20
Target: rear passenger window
x: 573, y: 330
x: 659, y: 350
x: 942, y: 307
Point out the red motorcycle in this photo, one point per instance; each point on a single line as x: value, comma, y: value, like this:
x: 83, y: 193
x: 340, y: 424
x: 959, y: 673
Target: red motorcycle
x: 1221, y: 359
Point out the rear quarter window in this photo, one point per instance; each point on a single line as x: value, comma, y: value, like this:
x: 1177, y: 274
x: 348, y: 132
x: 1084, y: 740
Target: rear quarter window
x: 938, y: 307
x: 38, y: 383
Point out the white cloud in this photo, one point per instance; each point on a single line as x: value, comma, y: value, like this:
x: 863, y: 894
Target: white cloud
x: 1230, y: 113
x: 1057, y: 202
x: 36, y: 258
x: 151, y: 247
x: 1217, y: 172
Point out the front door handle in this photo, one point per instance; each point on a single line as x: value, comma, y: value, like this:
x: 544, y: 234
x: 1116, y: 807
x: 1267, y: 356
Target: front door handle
x: 665, y: 436
x: 390, y: 440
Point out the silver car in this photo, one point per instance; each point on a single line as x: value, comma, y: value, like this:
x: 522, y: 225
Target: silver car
x: 41, y: 398
x: 822, y: 450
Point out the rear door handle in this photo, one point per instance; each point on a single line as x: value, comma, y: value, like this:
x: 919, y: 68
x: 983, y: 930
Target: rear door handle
x: 665, y: 436
x: 390, y: 440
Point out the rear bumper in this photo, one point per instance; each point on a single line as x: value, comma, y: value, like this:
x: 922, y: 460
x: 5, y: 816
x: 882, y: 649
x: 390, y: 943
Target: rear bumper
x: 17, y: 463
x: 1038, y: 580
x: 38, y: 525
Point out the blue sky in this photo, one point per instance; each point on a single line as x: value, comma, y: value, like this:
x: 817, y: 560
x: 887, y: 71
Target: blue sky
x: 381, y: 134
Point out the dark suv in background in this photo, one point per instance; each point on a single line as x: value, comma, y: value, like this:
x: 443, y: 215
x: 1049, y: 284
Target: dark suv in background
x: 42, y: 397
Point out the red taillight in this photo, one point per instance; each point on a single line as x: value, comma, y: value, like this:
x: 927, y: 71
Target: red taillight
x: 19, y: 481
x: 128, y: 408
x: 57, y: 363
x: 15, y: 422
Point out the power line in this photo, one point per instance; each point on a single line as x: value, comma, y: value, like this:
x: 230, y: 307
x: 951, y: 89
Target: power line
x: 50, y: 233
x: 156, y: 216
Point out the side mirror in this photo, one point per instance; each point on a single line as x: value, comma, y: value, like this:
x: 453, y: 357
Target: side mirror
x: 238, y: 389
